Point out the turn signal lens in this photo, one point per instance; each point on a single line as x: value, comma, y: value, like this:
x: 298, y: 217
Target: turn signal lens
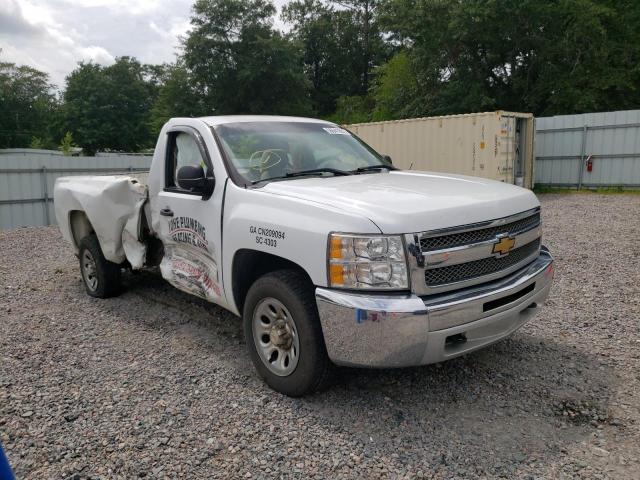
x: 336, y: 273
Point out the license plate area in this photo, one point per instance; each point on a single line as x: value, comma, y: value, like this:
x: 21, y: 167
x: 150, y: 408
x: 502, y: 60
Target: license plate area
x: 500, y: 302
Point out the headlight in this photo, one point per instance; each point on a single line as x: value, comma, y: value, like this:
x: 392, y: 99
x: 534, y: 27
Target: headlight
x: 367, y: 262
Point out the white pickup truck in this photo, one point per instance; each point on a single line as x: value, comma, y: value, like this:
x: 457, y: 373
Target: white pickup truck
x: 328, y: 253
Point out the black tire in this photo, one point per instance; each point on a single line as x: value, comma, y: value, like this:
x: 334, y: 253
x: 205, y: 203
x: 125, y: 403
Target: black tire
x: 107, y: 274
x: 294, y: 291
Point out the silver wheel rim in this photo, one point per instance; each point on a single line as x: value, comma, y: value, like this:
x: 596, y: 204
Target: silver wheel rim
x: 88, y: 265
x: 275, y: 336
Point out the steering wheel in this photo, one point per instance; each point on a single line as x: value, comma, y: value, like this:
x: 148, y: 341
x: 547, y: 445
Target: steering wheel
x: 262, y: 160
x: 329, y: 162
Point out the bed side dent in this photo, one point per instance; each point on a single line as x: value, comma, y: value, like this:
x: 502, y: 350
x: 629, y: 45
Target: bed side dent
x: 112, y: 206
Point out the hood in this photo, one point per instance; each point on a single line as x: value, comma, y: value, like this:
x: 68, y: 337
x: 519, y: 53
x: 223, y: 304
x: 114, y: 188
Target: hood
x: 411, y: 201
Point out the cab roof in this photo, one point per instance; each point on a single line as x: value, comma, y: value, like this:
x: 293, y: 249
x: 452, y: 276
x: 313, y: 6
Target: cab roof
x: 223, y: 119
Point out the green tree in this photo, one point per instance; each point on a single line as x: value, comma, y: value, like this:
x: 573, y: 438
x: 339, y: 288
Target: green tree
x: 66, y: 144
x: 109, y: 107
x: 238, y: 63
x: 342, y: 44
x: 396, y: 89
x: 177, y: 97
x: 372, y: 48
x: 27, y: 105
x: 36, y: 143
x: 543, y: 56
x: 353, y: 109
x: 327, y: 39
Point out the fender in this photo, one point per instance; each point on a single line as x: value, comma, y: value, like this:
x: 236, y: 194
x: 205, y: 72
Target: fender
x: 290, y: 228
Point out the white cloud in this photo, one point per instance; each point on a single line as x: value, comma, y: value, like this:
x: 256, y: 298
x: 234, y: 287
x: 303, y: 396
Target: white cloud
x: 133, y: 7
x: 54, y: 35
x: 96, y: 55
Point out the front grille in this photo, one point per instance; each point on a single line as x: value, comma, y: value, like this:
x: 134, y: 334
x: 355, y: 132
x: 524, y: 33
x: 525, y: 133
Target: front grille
x: 479, y: 268
x: 475, y: 236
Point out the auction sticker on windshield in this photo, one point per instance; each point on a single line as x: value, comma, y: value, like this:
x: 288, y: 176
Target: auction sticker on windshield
x: 336, y: 131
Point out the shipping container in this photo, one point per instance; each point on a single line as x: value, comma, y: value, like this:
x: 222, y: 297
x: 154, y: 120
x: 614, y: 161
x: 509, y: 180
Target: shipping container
x: 496, y: 145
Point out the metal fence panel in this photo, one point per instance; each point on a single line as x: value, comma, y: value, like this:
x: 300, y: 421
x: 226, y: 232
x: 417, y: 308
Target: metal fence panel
x: 27, y: 177
x: 611, y: 140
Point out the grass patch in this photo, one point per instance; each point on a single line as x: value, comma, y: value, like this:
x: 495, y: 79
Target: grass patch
x: 598, y: 190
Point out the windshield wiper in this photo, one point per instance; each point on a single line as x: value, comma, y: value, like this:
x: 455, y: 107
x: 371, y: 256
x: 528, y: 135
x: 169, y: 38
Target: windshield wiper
x: 303, y: 173
x: 313, y: 171
x: 374, y: 167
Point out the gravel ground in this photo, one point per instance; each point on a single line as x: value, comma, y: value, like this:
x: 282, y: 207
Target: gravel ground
x: 157, y: 384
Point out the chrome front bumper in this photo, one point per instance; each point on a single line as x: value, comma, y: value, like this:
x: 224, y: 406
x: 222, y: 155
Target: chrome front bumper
x: 399, y: 331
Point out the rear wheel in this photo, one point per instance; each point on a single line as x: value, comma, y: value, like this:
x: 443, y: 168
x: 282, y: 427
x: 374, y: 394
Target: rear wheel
x: 101, y: 277
x: 283, y: 333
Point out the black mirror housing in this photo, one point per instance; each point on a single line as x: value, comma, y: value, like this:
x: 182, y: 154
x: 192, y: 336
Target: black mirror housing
x: 191, y: 178
x: 209, y: 185
x: 388, y: 159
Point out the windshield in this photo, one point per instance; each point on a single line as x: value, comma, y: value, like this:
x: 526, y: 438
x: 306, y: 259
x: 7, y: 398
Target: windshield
x: 262, y: 151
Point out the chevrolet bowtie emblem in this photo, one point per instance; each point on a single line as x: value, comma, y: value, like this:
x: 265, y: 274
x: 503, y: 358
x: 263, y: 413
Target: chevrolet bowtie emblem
x: 503, y: 245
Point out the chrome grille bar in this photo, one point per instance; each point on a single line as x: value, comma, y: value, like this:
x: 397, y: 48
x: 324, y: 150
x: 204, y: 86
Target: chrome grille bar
x: 479, y: 268
x: 477, y: 251
x: 468, y: 255
x: 475, y: 234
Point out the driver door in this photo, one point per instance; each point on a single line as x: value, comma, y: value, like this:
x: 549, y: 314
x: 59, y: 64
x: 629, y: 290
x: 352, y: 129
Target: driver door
x: 190, y: 225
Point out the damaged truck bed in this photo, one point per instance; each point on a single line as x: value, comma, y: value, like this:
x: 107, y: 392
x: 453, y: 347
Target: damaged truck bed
x: 115, y: 204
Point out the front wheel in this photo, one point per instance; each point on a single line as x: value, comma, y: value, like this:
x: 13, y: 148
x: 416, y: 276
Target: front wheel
x: 283, y: 333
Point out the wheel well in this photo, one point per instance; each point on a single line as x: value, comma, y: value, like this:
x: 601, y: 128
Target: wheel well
x: 249, y: 265
x: 80, y: 226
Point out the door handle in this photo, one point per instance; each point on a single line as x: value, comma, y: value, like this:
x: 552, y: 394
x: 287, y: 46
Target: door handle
x: 166, y: 212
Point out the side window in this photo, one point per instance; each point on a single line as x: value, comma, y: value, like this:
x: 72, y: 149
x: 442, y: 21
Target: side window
x: 183, y: 151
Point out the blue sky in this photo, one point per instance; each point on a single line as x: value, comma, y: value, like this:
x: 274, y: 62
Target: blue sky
x: 53, y: 35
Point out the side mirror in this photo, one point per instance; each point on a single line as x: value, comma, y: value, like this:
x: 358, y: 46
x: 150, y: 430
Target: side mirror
x: 193, y: 178
x: 387, y: 158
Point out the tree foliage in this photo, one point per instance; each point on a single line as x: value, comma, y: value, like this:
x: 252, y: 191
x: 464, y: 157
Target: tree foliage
x: 109, y: 107
x: 36, y: 142
x: 353, y: 109
x: 342, y: 44
x: 346, y: 60
x: 26, y: 105
x: 66, y: 144
x: 240, y: 64
x: 396, y: 89
x: 546, y: 57
x: 370, y: 44
x: 177, y: 97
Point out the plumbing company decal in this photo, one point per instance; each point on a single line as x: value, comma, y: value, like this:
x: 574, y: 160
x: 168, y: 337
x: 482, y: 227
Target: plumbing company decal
x: 188, y: 263
x: 188, y: 230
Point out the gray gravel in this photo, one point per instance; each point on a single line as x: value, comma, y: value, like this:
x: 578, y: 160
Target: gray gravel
x: 157, y: 384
